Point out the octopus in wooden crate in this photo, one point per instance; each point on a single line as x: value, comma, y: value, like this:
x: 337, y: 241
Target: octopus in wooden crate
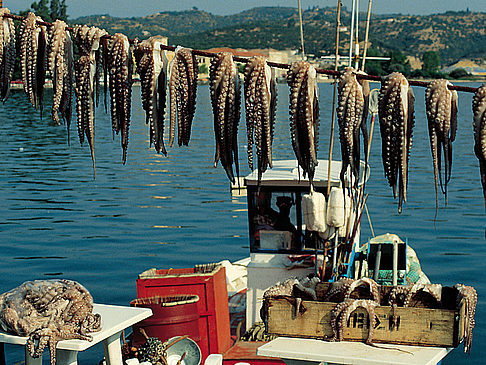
x: 342, y: 311
x: 294, y: 290
x: 33, y: 58
x: 304, y: 115
x: 441, y: 107
x: 416, y: 295
x: 260, y: 103
x: 396, y: 114
x: 225, y: 101
x: 345, y: 288
x: 60, y: 64
x: 468, y: 293
x: 183, y: 89
x: 87, y: 68
x: 152, y: 67
x: 7, y: 53
x: 48, y: 311
x: 350, y: 116
x: 120, y: 68
x: 479, y: 126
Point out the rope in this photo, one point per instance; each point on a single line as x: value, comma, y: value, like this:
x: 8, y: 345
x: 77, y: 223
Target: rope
x: 333, y: 73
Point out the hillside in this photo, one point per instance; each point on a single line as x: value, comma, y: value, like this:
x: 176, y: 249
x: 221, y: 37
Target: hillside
x: 455, y: 35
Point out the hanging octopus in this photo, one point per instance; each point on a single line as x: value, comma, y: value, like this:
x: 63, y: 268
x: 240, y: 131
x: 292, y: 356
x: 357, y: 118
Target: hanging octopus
x: 7, y: 53
x: 60, y: 64
x: 225, y: 100
x: 396, y: 113
x: 479, y: 126
x: 260, y: 103
x: 471, y: 299
x: 441, y: 107
x: 120, y: 66
x: 88, y: 41
x: 183, y: 88
x: 304, y: 115
x: 152, y: 68
x: 33, y: 58
x: 343, y: 310
x: 350, y: 115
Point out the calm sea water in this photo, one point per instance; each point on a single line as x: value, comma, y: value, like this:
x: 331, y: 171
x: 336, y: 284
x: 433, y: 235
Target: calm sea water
x: 177, y: 211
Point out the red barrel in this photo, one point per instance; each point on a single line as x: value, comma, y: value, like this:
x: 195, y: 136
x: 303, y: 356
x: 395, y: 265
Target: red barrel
x: 172, y: 316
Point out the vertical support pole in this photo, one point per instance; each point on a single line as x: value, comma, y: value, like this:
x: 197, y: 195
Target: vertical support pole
x: 301, y: 31
x: 376, y: 270
x: 112, y: 348
x: 351, y: 38
x: 395, y: 263
x: 333, y: 115
x: 67, y: 357
x: 2, y: 348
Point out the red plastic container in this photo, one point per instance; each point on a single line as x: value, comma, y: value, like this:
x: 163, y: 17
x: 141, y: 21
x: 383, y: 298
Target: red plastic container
x: 208, y: 282
x: 172, y: 316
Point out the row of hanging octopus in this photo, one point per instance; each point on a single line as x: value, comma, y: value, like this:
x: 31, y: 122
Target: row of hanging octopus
x: 175, y: 83
x: 351, y: 294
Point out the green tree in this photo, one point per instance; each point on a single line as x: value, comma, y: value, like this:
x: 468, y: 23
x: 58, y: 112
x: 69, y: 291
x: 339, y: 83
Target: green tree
x: 398, y: 63
x: 459, y: 73
x: 56, y: 9
x: 203, y: 68
x: 430, y: 63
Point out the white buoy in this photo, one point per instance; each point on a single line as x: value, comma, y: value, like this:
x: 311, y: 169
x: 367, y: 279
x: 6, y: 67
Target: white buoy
x: 314, y: 208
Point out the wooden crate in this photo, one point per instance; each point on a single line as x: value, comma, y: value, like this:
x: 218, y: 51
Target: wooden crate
x: 415, y: 326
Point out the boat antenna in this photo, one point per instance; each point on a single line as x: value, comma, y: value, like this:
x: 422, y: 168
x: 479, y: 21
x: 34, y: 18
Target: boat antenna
x: 366, y: 35
x: 333, y: 119
x: 301, y: 31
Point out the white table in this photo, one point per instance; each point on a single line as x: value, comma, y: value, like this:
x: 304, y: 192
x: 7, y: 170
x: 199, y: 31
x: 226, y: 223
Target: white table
x: 114, y: 319
x: 308, y: 351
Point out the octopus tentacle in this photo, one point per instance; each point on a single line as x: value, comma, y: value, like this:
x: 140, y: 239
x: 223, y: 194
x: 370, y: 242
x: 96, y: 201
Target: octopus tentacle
x: 7, y: 53
x: 33, y: 58
x: 182, y: 87
x: 225, y: 100
x: 343, y: 310
x: 471, y: 297
x: 120, y: 69
x: 304, y: 115
x: 60, y: 64
x: 88, y: 41
x: 372, y: 285
x: 441, y: 108
x: 479, y: 127
x: 152, y: 67
x: 260, y: 101
x: 396, y: 114
x: 350, y: 115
